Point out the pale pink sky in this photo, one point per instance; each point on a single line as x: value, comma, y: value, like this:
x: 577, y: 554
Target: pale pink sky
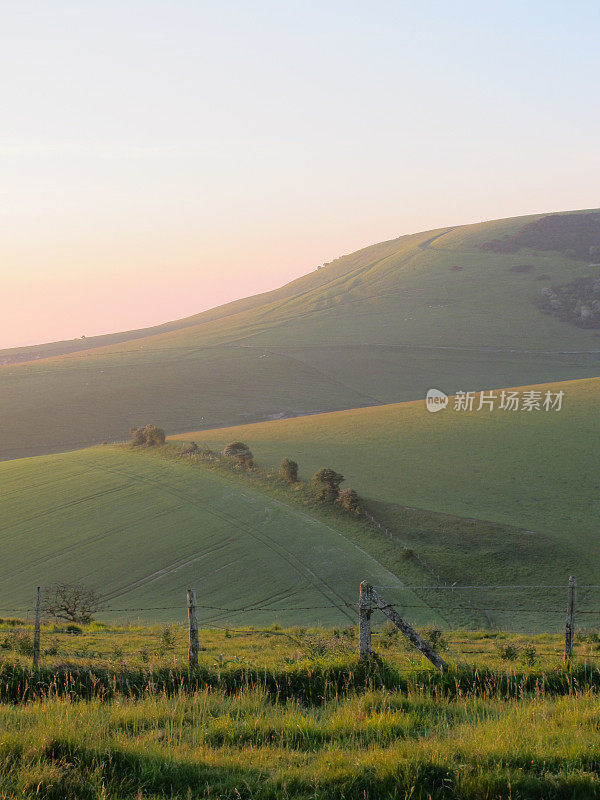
x: 159, y: 158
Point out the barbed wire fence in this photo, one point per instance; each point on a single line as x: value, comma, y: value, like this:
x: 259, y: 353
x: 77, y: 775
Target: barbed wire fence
x: 532, y: 602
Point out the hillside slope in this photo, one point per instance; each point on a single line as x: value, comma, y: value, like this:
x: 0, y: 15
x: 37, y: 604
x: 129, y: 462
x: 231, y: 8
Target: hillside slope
x: 483, y: 498
x: 378, y: 326
x: 525, y: 485
x: 141, y: 530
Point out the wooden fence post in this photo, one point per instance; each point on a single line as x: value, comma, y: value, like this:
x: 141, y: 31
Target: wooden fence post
x: 36, y: 629
x: 193, y: 620
x: 570, y: 624
x: 409, y: 631
x: 364, y: 621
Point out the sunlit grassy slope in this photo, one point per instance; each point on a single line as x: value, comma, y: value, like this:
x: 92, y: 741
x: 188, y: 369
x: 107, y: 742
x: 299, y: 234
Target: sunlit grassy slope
x: 494, y: 498
x: 378, y: 326
x: 141, y: 530
x: 534, y: 474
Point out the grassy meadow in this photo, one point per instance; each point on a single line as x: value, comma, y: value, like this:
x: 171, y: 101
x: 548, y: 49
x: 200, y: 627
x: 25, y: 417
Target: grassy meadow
x: 115, y: 713
x: 379, y: 745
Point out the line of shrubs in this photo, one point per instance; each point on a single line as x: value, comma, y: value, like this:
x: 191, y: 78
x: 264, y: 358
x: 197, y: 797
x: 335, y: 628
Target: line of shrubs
x: 325, y: 483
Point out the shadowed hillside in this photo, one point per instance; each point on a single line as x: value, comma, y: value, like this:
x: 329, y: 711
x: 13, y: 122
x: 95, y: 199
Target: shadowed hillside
x: 381, y: 325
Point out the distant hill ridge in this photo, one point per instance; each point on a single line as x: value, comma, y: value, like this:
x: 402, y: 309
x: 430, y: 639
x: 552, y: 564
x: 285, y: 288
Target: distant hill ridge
x: 382, y: 325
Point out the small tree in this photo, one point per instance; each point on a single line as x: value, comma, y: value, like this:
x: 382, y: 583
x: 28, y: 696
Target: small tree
x: 137, y: 436
x: 72, y: 602
x: 149, y: 435
x: 289, y: 470
x: 240, y: 452
x: 154, y: 435
x: 350, y: 501
x: 326, y: 484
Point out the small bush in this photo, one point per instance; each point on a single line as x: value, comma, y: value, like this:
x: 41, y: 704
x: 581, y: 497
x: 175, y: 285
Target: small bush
x: 349, y: 501
x: 326, y: 484
x: 167, y: 640
x: 18, y: 641
x: 316, y: 645
x: 589, y: 635
x: 528, y: 655
x: 289, y: 470
x: 149, y: 435
x: 241, y: 453
x: 98, y: 626
x: 51, y: 649
x: 507, y: 652
x: 189, y: 449
x: 74, y: 630
x: 137, y: 436
x: 117, y: 652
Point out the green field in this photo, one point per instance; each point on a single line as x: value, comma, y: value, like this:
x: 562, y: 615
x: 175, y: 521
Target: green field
x: 470, y: 498
x: 379, y: 326
x: 115, y: 713
x: 520, y: 488
x: 141, y: 530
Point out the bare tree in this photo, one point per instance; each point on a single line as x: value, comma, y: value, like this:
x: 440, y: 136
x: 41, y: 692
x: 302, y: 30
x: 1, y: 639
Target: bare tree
x: 72, y: 602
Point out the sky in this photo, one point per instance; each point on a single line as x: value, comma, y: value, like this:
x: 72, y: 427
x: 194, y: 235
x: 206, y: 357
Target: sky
x: 158, y: 158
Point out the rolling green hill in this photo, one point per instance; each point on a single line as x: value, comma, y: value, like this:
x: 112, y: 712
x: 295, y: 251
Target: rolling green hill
x: 471, y: 498
x: 379, y: 326
x: 515, y: 494
x: 140, y: 530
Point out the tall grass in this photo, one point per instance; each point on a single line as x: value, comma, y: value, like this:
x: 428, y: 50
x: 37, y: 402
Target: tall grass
x: 378, y: 745
x: 298, y: 725
x: 310, y: 682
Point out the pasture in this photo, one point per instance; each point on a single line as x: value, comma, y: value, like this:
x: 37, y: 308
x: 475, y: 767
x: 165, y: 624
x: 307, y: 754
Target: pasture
x: 265, y: 716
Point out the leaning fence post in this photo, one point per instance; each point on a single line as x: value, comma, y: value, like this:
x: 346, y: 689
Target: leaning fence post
x: 364, y: 621
x: 408, y: 631
x: 570, y: 624
x: 36, y: 629
x: 193, y: 620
